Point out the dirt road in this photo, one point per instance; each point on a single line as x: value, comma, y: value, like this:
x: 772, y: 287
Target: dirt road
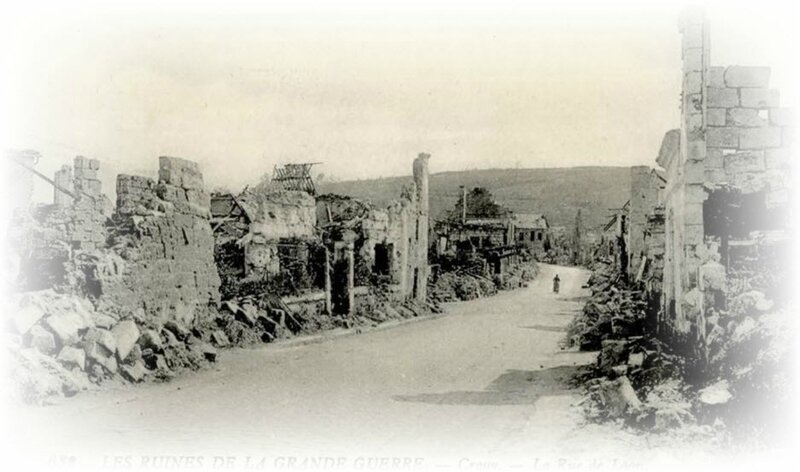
x: 483, y: 386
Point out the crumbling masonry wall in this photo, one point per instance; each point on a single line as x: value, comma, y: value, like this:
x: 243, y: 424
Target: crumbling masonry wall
x: 163, y: 238
x: 404, y: 227
x: 644, y: 198
x: 274, y: 216
x: 733, y: 134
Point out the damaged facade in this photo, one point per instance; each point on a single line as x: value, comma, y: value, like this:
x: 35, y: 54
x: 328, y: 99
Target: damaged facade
x: 532, y: 231
x: 724, y: 184
x: 349, y: 240
x: 156, y: 283
x: 726, y: 170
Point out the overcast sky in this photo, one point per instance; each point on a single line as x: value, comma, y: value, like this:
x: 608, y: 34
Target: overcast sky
x: 362, y: 89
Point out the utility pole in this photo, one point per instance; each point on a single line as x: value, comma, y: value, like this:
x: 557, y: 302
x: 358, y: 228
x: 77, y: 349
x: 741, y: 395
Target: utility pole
x: 463, y: 204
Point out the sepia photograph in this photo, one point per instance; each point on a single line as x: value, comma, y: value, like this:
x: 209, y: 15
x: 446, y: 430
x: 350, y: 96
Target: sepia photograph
x: 398, y: 235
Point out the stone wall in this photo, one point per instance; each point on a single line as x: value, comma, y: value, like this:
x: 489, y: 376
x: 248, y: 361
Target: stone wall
x: 403, y: 227
x: 733, y: 135
x: 162, y: 237
x: 645, y: 187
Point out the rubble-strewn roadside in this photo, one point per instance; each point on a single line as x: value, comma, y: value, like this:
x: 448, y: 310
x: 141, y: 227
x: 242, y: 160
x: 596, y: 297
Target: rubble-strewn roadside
x: 61, y: 345
x: 463, y: 285
x: 739, y: 390
x: 157, y: 285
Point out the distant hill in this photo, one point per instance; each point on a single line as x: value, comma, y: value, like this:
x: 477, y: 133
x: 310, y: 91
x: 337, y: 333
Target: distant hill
x: 555, y: 192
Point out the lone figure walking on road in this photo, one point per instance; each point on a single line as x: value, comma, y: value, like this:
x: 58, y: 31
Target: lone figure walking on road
x: 556, y: 282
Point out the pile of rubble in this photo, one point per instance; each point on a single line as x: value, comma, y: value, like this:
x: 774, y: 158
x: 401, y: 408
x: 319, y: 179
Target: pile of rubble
x: 465, y: 285
x: 637, y: 380
x: 614, y: 311
x: 736, y: 386
x: 62, y: 345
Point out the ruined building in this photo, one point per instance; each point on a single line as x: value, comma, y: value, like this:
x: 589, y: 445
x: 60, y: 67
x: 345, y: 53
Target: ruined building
x: 155, y: 284
x: 532, y: 231
x: 272, y: 231
x: 722, y: 200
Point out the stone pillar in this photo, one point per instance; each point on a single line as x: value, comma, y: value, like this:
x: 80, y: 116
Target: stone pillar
x: 89, y: 205
x: 351, y: 276
x: 690, y: 196
x: 423, y: 211
x: 328, y: 302
x: 405, y: 247
x: 642, y: 203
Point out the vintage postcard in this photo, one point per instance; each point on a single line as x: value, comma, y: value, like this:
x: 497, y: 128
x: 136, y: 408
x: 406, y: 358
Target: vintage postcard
x: 399, y: 236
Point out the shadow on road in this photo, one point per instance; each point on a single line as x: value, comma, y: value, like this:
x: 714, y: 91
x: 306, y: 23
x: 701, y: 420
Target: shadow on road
x: 576, y: 299
x: 552, y: 329
x: 514, y: 387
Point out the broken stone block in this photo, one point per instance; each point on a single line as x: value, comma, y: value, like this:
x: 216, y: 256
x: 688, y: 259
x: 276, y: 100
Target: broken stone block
x: 126, y: 333
x: 96, y: 373
x: 135, y: 355
x: 180, y: 332
x: 150, y: 339
x: 742, y: 76
x: 135, y: 372
x: 42, y: 340
x: 636, y: 359
x: 102, y: 337
x: 102, y: 320
x: 26, y: 317
x: 715, y: 394
x: 65, y: 326
x: 70, y: 356
x: 205, y: 349
x: 101, y: 356
x: 619, y: 397
x: 44, y: 377
x: 219, y: 338
x: 170, y: 338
